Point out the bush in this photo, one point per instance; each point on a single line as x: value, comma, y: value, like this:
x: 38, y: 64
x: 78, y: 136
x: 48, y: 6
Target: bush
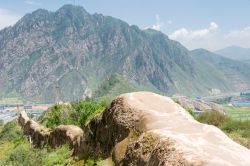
x: 213, y: 118
x: 25, y: 155
x: 84, y: 111
x: 60, y: 156
x: 78, y: 113
x: 11, y: 132
x: 56, y: 115
x: 15, y: 150
x: 242, y: 128
x: 22, y: 155
x: 236, y: 129
x: 190, y: 111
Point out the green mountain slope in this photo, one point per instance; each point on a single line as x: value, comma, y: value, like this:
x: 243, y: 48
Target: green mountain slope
x: 116, y: 85
x: 49, y: 56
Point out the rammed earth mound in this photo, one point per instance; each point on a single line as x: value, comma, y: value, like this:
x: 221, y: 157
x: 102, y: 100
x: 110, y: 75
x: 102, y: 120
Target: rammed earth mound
x: 146, y: 128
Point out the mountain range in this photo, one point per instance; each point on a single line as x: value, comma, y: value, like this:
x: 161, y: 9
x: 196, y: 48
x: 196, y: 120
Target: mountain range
x: 236, y: 53
x: 73, y: 54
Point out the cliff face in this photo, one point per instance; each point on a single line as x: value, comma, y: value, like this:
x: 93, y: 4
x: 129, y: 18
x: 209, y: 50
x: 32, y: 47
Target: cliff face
x: 144, y: 128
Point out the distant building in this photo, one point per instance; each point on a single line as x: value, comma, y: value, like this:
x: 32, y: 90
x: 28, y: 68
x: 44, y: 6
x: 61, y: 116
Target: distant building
x: 3, y: 107
x: 239, y: 103
x: 27, y: 107
x: 243, y: 100
x: 245, y: 93
x: 215, y: 91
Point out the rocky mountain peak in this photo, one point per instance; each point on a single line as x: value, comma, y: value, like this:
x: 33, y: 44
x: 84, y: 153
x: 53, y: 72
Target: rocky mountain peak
x: 74, y: 50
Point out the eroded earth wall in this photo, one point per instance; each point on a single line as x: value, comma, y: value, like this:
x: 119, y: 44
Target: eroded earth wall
x: 144, y: 128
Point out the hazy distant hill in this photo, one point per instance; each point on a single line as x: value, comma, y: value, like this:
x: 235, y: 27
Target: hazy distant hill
x: 236, y: 53
x: 233, y: 73
x: 69, y: 52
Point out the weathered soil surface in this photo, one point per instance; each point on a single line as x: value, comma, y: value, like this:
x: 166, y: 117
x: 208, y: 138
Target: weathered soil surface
x: 144, y: 128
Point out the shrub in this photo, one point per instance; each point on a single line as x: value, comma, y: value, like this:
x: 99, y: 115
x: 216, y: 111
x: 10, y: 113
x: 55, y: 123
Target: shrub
x: 213, y: 118
x: 56, y: 115
x: 236, y: 129
x: 10, y: 132
x: 190, y: 111
x: 242, y: 128
x: 84, y: 111
x: 78, y: 113
x: 60, y: 156
x: 22, y: 155
x: 25, y: 155
x: 15, y: 150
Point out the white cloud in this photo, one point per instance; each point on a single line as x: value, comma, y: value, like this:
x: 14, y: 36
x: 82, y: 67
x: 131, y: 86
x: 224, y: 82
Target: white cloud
x: 185, y: 34
x: 158, y: 24
x: 239, y: 37
x: 211, y: 39
x: 7, y: 18
x: 239, y: 34
x: 213, y: 26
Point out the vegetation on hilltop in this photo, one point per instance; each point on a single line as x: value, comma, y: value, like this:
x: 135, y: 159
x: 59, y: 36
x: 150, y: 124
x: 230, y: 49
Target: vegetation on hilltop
x: 238, y: 130
x: 76, y: 113
x: 238, y: 113
x: 113, y: 86
x: 15, y: 150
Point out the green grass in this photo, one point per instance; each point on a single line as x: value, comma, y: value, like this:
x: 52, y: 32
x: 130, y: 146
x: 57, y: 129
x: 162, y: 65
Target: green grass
x: 213, y: 118
x: 15, y: 150
x: 25, y: 155
x: 112, y: 87
x: 238, y: 113
x: 238, y: 130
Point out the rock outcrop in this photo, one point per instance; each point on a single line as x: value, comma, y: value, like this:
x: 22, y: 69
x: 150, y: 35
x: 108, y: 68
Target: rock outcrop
x: 144, y: 128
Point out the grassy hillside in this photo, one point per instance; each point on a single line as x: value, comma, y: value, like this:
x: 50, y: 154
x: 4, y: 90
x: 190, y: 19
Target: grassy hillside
x: 114, y: 86
x: 15, y: 150
x: 238, y: 130
x: 239, y: 113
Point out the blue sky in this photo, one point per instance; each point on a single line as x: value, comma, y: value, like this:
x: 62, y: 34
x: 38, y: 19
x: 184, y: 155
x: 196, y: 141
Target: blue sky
x: 210, y: 24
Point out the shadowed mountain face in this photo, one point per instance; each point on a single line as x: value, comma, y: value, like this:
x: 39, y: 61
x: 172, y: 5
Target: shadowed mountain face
x: 70, y: 52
